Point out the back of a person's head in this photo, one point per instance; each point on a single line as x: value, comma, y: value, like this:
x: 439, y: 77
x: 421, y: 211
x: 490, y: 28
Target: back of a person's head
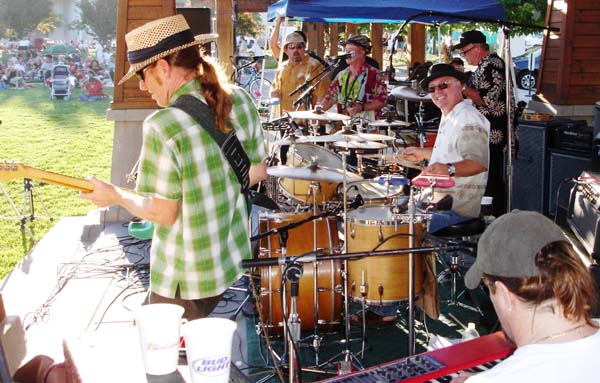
x: 563, y: 278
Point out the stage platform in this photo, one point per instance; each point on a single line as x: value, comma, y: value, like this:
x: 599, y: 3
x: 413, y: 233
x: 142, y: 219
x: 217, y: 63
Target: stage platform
x: 79, y: 284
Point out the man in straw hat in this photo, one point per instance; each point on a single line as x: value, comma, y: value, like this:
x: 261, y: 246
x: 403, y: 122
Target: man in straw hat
x: 544, y: 297
x: 186, y: 185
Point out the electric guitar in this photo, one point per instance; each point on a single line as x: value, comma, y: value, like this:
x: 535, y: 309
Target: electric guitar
x: 10, y: 170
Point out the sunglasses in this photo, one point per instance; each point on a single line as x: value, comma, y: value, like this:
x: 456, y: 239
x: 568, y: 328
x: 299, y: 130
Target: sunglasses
x: 295, y: 46
x: 464, y: 53
x: 441, y: 86
x: 141, y: 74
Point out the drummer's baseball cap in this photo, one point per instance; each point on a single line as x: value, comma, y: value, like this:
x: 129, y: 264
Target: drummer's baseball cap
x: 470, y: 37
x: 441, y: 70
x: 509, y: 246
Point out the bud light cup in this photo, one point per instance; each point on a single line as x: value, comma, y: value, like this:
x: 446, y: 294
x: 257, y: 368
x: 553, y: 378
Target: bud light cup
x: 208, y: 348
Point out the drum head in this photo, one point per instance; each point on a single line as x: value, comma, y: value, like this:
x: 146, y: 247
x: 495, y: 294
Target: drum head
x: 372, y: 191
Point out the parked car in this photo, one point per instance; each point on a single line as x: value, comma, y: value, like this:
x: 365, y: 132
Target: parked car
x: 525, y: 77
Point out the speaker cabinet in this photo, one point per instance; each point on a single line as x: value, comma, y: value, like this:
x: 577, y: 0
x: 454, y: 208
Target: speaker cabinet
x: 529, y: 169
x: 563, y: 168
x: 199, y: 21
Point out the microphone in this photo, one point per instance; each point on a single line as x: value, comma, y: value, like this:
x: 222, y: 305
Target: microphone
x: 346, y: 56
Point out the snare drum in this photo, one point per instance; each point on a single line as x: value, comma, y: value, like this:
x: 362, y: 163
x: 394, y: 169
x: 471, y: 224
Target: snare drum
x: 326, y: 274
x: 374, y: 193
x: 385, y: 278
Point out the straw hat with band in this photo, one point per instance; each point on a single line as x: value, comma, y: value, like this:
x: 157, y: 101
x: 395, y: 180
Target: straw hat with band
x: 158, y: 39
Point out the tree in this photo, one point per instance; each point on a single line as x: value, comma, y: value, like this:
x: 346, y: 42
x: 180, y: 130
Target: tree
x: 249, y: 24
x: 98, y: 18
x: 20, y: 17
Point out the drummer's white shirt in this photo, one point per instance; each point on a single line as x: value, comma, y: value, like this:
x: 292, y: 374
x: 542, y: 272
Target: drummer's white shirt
x: 463, y: 135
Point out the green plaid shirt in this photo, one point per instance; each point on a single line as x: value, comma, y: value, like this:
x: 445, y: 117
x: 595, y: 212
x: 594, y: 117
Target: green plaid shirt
x: 201, y: 252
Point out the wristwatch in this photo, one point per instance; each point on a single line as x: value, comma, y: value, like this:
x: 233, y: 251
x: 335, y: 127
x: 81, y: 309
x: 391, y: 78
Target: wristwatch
x: 451, y: 170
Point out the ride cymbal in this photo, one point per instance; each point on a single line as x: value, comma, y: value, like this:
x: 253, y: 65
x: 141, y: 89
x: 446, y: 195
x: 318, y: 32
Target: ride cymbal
x: 312, y: 173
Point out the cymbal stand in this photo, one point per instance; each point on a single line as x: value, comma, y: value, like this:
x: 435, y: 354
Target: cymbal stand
x: 349, y: 357
x: 411, y: 273
x: 420, y: 127
x: 316, y: 339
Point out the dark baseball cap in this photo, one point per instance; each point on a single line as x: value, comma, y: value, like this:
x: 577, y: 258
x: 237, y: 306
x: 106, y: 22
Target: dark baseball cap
x: 470, y: 37
x: 509, y: 246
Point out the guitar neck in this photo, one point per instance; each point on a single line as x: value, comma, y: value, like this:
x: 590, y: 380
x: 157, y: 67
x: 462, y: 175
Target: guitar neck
x: 60, y: 180
x: 12, y: 170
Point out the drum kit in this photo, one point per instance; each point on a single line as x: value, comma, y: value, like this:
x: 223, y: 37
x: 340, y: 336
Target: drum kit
x: 329, y: 207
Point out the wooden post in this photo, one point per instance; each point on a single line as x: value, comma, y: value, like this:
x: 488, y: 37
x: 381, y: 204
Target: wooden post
x: 377, y: 50
x: 415, y: 46
x: 350, y: 29
x: 132, y: 14
x: 334, y: 38
x: 225, y: 14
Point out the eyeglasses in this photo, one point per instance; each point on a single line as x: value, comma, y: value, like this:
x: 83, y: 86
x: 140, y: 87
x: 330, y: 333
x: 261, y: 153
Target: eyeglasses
x: 441, y: 86
x: 141, y: 74
x: 295, y: 46
x: 464, y: 53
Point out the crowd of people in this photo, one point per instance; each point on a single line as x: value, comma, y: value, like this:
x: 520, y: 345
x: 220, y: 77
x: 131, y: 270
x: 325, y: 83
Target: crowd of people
x: 21, y: 68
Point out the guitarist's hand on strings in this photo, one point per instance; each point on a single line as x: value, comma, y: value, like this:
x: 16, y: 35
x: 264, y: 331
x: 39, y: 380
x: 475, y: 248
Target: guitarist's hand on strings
x: 104, y: 194
x: 155, y: 208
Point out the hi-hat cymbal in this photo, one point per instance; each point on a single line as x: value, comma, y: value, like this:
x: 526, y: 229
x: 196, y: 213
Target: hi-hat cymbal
x: 386, y: 123
x: 363, y: 136
x: 408, y: 93
x: 318, y: 114
x: 312, y: 173
x: 360, y: 145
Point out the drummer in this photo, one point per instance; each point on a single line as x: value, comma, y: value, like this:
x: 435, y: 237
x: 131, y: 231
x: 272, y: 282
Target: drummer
x: 359, y: 90
x: 461, y: 149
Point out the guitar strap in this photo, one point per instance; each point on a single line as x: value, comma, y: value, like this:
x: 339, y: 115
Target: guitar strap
x: 229, y: 143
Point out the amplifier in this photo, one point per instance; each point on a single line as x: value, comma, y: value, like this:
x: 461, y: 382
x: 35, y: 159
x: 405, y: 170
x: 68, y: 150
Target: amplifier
x: 584, y: 212
x: 571, y: 135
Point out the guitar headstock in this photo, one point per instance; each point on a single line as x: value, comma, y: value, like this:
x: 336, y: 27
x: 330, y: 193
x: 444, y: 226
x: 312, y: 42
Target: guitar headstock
x: 10, y: 170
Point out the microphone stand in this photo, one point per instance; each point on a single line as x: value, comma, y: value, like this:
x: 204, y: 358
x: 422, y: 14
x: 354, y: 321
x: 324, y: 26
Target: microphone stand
x: 320, y: 76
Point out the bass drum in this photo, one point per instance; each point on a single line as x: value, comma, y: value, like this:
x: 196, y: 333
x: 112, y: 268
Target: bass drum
x: 383, y: 278
x: 325, y: 274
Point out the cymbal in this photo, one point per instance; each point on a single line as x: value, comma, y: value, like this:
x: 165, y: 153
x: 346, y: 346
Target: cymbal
x: 328, y: 138
x: 408, y: 93
x: 360, y: 145
x: 318, y: 114
x: 386, y: 123
x: 312, y: 173
x: 363, y: 136
x: 396, y: 158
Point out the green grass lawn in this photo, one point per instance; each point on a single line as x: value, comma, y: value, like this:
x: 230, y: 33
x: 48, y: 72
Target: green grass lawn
x: 68, y: 137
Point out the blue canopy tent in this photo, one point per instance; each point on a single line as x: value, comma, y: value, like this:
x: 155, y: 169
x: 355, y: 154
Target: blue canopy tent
x: 388, y: 11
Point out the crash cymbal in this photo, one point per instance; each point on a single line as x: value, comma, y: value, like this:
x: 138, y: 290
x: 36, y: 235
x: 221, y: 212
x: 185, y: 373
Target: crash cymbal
x: 363, y: 136
x: 408, y: 93
x: 312, y: 173
x: 328, y: 138
x: 318, y: 114
x: 386, y: 123
x: 360, y: 145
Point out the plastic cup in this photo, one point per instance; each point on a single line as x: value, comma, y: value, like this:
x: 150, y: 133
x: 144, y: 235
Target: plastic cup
x: 208, y: 349
x: 486, y: 205
x: 158, y: 328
